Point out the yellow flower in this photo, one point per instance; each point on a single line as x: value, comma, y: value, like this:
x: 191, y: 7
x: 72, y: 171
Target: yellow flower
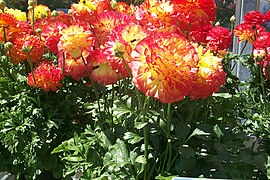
x: 40, y: 11
x: 75, y: 39
x: 18, y: 14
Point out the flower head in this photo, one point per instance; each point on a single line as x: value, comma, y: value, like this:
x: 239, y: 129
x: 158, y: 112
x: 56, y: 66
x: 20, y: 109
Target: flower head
x: 18, y: 14
x: 75, y: 68
x: 106, y: 22
x: 210, y: 75
x: 31, y: 44
x: 75, y: 39
x: 245, y: 31
x: 40, y: 11
x: 47, y: 76
x: 164, y: 66
x: 219, y: 39
x: 262, y: 41
x: 254, y: 17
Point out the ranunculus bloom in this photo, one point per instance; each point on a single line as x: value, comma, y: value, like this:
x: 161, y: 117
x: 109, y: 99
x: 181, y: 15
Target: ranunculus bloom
x: 245, y: 31
x: 219, y: 38
x: 254, y: 17
x: 47, y: 76
x: 75, y: 68
x: 164, y: 66
x: 18, y: 14
x: 199, y: 35
x: 157, y: 16
x: 124, y: 8
x: 195, y: 13
x: 262, y: 41
x: 75, y: 39
x: 40, y: 11
x: 104, y: 74
x: 106, y: 22
x: 35, y: 54
x: 210, y: 75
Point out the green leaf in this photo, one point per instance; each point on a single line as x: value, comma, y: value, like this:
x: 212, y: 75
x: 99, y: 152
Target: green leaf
x: 218, y: 131
x: 198, y: 132
x: 73, y: 158
x: 223, y: 95
x: 132, y: 137
x: 141, y: 159
x: 140, y: 125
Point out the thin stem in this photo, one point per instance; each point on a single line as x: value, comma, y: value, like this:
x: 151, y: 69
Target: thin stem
x: 63, y: 63
x: 243, y: 48
x: 31, y: 66
x: 5, y: 34
x: 92, y: 82
x: 32, y: 20
x: 169, y: 143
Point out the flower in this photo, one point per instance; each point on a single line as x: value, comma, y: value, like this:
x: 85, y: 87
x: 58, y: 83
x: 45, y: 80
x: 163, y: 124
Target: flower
x: 254, y: 17
x: 193, y: 13
x: 210, y: 75
x: 75, y: 39
x: 106, y: 22
x: 262, y: 41
x: 104, y: 74
x: 31, y: 43
x: 219, y: 38
x: 46, y: 76
x: 75, y: 68
x: 164, y: 66
x: 18, y: 14
x: 40, y: 11
x: 245, y: 31
x: 199, y: 35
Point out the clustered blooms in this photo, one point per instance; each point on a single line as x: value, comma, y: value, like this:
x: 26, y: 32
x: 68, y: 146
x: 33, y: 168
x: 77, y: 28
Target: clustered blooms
x: 170, y: 48
x: 254, y: 30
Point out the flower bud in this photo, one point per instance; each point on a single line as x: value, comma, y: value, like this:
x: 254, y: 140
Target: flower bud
x: 8, y: 46
x: 114, y: 4
x: 39, y: 31
x: 54, y: 13
x: 27, y: 46
x: 2, y: 5
x: 232, y: 19
x: 70, y: 12
x: 32, y: 2
x: 30, y: 8
x: 217, y: 23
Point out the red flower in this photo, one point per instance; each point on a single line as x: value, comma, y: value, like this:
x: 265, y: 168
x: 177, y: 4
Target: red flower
x: 164, y: 66
x: 194, y: 13
x: 254, y: 17
x: 47, y: 76
x: 219, y: 39
x: 199, y: 35
x: 262, y: 41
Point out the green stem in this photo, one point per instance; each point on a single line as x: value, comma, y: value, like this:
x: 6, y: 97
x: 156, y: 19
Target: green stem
x: 31, y: 66
x: 169, y: 143
x: 265, y: 107
x: 63, y: 63
x: 32, y: 20
x: 92, y: 82
x: 243, y: 48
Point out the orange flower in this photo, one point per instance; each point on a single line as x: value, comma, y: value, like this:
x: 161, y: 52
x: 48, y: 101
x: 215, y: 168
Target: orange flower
x: 47, y: 76
x: 123, y: 8
x: 210, y: 75
x: 82, y: 13
x: 247, y: 32
x: 106, y: 22
x: 33, y: 42
x: 97, y: 5
x: 75, y: 68
x: 164, y: 66
x: 40, y: 11
x: 75, y: 39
